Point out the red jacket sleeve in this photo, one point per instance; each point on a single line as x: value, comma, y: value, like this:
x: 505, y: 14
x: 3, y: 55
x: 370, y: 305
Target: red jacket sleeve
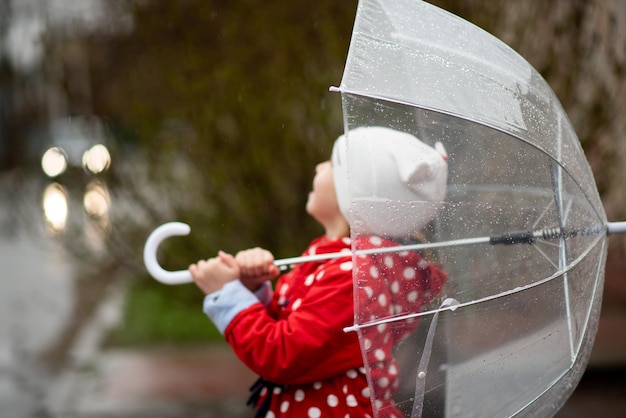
x: 309, y: 344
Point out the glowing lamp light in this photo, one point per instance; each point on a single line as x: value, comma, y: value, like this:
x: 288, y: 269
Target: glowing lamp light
x: 96, y: 200
x: 54, y: 162
x: 55, y: 207
x: 97, y: 159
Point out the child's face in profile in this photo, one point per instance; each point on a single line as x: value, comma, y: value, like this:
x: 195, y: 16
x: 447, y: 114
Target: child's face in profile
x: 322, y: 203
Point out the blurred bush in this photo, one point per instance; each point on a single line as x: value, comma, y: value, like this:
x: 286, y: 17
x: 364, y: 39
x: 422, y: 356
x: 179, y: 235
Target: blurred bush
x: 221, y: 111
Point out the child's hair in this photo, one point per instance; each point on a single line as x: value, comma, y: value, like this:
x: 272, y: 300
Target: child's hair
x: 388, y: 182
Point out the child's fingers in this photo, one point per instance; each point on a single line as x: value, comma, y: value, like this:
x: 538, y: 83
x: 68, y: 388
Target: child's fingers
x: 255, y: 262
x: 274, y: 271
x: 227, y: 259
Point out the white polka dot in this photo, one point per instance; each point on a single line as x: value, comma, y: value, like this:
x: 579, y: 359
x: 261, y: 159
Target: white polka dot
x: 317, y: 385
x: 346, y: 266
x: 423, y: 264
x: 351, y: 401
x: 403, y: 254
x: 332, y: 401
x: 376, y: 241
x: 379, y: 354
x: 383, y: 382
x: 345, y: 389
x: 346, y: 241
x: 319, y: 275
x: 381, y: 327
x: 374, y: 272
x: 382, y: 300
x: 309, y: 280
x: 270, y: 414
x: 367, y: 344
x: 389, y: 261
x: 362, y: 370
x: 277, y: 390
x: 283, y: 289
x: 365, y: 392
x: 284, y: 406
x: 412, y: 296
x: 299, y: 395
x: 393, y: 370
x: 379, y: 404
x: 352, y: 374
x: 369, y: 291
x: 296, y: 304
x: 395, y: 287
x: 409, y: 273
x: 314, y: 412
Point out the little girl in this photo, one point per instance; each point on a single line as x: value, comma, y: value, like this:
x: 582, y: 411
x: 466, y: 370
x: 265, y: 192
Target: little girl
x: 293, y: 336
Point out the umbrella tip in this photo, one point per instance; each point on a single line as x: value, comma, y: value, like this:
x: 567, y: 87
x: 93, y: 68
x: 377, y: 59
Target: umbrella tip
x: 616, y: 228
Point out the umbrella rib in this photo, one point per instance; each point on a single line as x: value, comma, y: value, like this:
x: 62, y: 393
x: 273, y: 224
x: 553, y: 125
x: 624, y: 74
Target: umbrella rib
x: 543, y: 214
x: 422, y: 367
x: 540, y: 251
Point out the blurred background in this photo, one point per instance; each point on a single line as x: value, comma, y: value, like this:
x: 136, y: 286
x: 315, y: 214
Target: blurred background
x: 119, y: 115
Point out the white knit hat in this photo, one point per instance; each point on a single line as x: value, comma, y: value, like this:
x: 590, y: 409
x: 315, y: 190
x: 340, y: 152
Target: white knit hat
x: 388, y: 182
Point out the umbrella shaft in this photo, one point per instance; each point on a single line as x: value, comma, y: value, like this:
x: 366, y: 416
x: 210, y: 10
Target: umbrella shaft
x: 510, y: 238
x: 530, y: 237
x: 285, y: 262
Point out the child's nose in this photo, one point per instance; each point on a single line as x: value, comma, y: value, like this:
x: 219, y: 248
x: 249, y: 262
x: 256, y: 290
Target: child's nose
x: 321, y: 165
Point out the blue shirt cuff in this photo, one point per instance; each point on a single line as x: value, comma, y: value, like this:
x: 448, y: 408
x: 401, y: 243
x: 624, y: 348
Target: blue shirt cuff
x: 223, y: 305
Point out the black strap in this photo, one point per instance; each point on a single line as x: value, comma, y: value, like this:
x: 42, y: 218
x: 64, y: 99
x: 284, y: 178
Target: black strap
x: 255, y: 394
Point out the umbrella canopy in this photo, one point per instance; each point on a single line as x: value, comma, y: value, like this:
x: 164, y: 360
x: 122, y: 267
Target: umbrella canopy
x: 511, y: 330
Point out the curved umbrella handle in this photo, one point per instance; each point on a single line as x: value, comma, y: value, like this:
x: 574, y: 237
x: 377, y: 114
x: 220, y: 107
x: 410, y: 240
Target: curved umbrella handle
x: 150, y: 254
x: 184, y: 276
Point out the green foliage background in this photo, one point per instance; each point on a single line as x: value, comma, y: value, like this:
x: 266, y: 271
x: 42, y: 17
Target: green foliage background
x: 223, y: 110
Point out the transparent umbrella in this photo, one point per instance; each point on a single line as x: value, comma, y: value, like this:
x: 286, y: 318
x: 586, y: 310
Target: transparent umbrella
x: 521, y: 233
x: 520, y: 237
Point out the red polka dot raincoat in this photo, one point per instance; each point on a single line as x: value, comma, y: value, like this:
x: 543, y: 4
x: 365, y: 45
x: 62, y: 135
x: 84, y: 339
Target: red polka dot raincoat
x: 294, y: 338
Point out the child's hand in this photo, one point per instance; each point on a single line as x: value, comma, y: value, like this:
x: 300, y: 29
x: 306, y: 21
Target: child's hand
x: 256, y: 266
x: 211, y: 275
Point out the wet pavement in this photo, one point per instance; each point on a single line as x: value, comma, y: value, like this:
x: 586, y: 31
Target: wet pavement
x: 170, y: 382
x: 54, y: 363
x: 34, y: 308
